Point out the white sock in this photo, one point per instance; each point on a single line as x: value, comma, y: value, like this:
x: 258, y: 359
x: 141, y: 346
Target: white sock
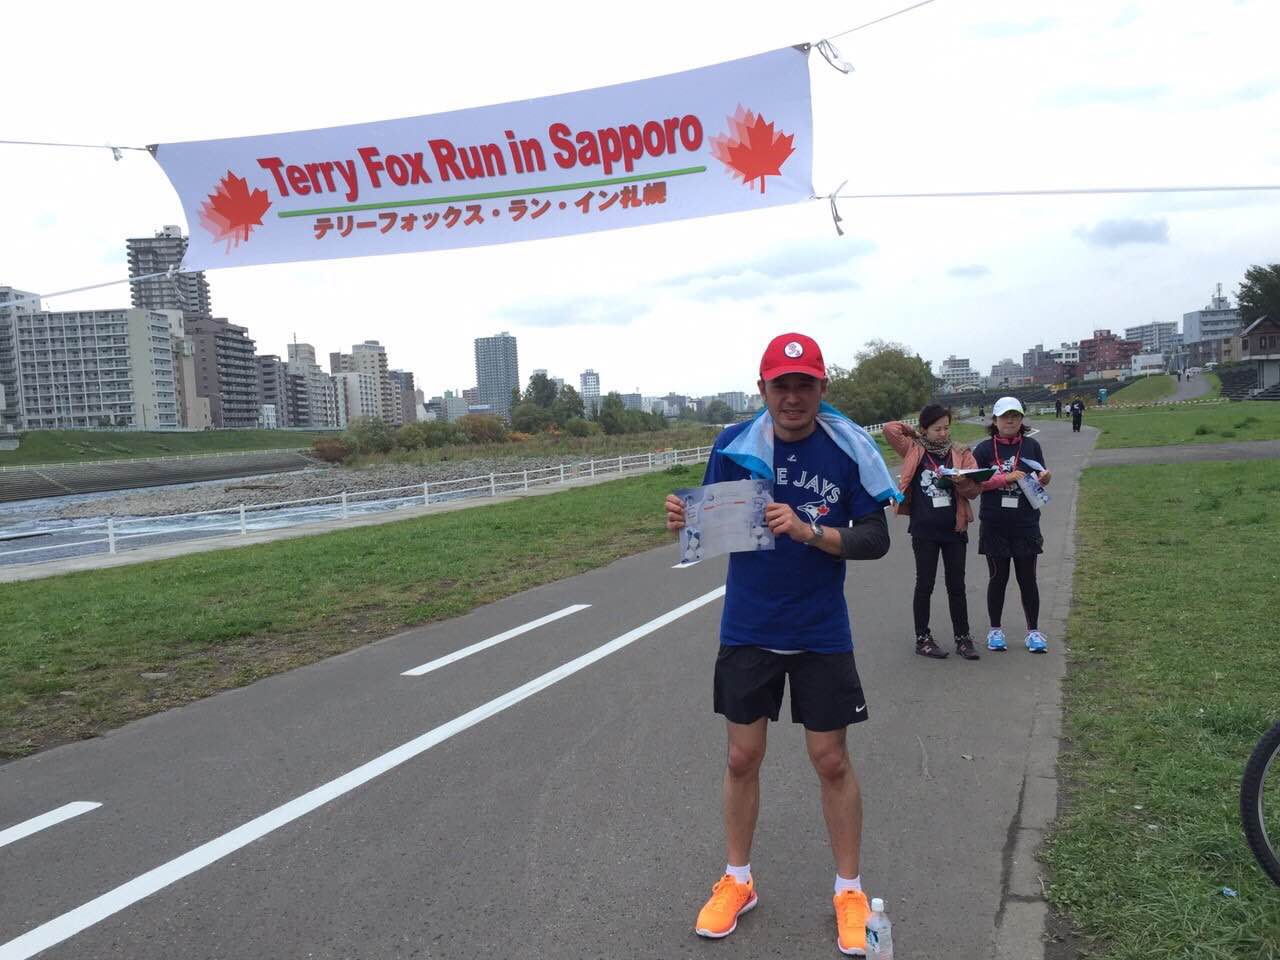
x: 842, y: 884
x: 741, y: 874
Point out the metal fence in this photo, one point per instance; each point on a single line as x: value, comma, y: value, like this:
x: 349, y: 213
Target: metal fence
x: 117, y: 535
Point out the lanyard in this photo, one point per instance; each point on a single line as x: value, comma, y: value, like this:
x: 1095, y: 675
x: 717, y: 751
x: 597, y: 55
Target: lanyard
x: 937, y: 467
x: 995, y: 452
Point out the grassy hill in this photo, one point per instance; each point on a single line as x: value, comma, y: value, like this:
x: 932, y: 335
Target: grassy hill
x: 60, y: 446
x: 1145, y: 390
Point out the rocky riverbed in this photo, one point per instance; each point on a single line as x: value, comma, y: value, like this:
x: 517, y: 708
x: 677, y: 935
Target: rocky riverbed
x: 161, y: 501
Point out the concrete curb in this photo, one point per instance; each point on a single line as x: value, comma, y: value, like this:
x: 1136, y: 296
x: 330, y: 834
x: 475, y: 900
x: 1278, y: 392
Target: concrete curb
x: 1020, y: 925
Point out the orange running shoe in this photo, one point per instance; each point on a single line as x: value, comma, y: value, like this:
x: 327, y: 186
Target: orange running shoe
x: 729, y: 900
x: 852, y: 911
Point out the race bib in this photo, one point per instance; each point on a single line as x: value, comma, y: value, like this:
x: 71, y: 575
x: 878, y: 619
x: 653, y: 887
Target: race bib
x: 1010, y: 502
x: 943, y: 501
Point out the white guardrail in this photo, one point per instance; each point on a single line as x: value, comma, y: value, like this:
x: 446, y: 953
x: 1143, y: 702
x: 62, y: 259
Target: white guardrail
x: 115, y: 536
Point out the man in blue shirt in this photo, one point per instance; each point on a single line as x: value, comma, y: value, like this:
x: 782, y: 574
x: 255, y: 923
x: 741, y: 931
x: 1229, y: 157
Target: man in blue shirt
x: 785, y: 617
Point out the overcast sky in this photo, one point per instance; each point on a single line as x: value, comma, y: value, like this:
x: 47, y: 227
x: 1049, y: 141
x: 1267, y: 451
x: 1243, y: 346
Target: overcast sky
x: 958, y: 95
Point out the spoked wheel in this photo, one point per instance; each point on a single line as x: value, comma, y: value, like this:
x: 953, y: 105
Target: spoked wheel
x: 1260, y: 802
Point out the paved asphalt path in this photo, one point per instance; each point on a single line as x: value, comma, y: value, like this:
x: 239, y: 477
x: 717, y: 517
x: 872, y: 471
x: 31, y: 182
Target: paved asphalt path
x: 582, y: 821
x: 1191, y: 388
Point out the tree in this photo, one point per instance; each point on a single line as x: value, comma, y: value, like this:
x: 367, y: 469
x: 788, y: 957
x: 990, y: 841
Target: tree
x: 886, y: 381
x: 528, y: 417
x: 541, y: 391
x: 369, y: 435
x: 717, y: 412
x: 1259, y: 293
x: 612, y: 414
x: 568, y: 406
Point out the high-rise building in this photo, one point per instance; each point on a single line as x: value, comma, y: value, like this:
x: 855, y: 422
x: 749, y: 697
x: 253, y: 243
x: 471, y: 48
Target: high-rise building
x: 341, y: 363
x: 371, y: 357
x: 188, y: 292
x: 361, y: 396
x: 957, y: 375
x: 193, y: 409
x: 226, y: 372
x: 1007, y: 372
x: 271, y: 391
x: 13, y: 303
x: 321, y: 396
x: 735, y: 400
x: 405, y: 394
x: 1105, y: 351
x: 80, y: 369
x: 1216, y: 321
x: 590, y: 381
x: 497, y: 372
x: 633, y: 401
x: 1155, y: 337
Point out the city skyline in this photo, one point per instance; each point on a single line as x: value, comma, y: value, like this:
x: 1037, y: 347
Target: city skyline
x: 1106, y: 96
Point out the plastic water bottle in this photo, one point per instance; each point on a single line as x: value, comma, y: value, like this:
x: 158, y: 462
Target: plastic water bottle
x: 879, y: 932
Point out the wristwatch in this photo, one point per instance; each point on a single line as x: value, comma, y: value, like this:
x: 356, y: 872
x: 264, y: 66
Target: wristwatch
x: 817, y: 533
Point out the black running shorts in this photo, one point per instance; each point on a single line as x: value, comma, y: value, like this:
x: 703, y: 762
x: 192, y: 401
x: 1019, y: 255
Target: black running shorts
x: 826, y: 693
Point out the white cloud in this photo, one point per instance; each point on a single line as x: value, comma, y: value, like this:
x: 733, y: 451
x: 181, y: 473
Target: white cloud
x: 1117, y: 233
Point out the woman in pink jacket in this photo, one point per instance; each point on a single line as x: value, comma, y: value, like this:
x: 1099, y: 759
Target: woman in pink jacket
x: 940, y: 515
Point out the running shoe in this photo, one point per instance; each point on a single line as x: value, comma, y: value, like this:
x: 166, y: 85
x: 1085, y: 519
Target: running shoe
x: 995, y: 640
x: 1037, y: 642
x: 729, y: 900
x: 852, y: 911
x: 926, y: 647
x: 964, y: 647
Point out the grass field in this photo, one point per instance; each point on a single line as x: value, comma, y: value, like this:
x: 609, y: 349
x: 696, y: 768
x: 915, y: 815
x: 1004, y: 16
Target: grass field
x: 1147, y: 389
x: 1215, y: 386
x: 75, y: 646
x: 1186, y: 423
x: 1172, y: 679
x: 58, y: 446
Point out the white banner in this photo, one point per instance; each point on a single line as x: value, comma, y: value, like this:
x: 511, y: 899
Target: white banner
x: 721, y: 139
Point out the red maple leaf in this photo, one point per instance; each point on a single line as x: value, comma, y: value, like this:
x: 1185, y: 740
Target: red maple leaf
x: 752, y: 150
x: 232, y: 211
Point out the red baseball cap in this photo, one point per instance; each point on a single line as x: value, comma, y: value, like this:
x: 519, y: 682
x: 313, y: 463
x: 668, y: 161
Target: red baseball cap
x: 792, y: 353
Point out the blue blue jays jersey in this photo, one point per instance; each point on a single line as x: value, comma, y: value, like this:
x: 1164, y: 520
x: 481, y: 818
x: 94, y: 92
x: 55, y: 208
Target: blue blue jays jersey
x: 792, y: 597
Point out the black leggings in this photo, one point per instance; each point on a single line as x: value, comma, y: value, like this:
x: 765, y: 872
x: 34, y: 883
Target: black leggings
x: 1025, y: 570
x: 953, y: 556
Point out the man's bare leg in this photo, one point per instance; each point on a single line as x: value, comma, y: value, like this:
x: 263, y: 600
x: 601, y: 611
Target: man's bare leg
x: 742, y: 788
x: 841, y: 797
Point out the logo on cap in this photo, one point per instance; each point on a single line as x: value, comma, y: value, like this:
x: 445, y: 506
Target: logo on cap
x: 793, y: 350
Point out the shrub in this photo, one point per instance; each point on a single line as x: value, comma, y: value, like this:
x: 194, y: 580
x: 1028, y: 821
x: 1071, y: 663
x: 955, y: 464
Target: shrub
x: 481, y: 429
x: 577, y: 427
x: 369, y: 435
x: 330, y: 449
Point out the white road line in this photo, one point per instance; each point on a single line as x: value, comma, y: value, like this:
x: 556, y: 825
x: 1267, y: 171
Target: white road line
x: 493, y: 641
x: 686, y: 564
x: 36, y: 824
x: 69, y: 924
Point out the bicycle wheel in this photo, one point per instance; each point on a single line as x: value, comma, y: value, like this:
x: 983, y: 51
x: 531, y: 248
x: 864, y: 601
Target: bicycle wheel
x: 1260, y: 802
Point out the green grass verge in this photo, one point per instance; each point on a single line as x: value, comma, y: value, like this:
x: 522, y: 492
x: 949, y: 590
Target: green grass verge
x: 75, y: 646
x: 1186, y: 423
x: 1172, y: 679
x: 1155, y: 387
x: 59, y: 446
x: 1215, y: 386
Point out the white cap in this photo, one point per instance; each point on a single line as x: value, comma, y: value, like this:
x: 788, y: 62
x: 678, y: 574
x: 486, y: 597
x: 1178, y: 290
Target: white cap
x: 877, y: 905
x: 1005, y: 404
